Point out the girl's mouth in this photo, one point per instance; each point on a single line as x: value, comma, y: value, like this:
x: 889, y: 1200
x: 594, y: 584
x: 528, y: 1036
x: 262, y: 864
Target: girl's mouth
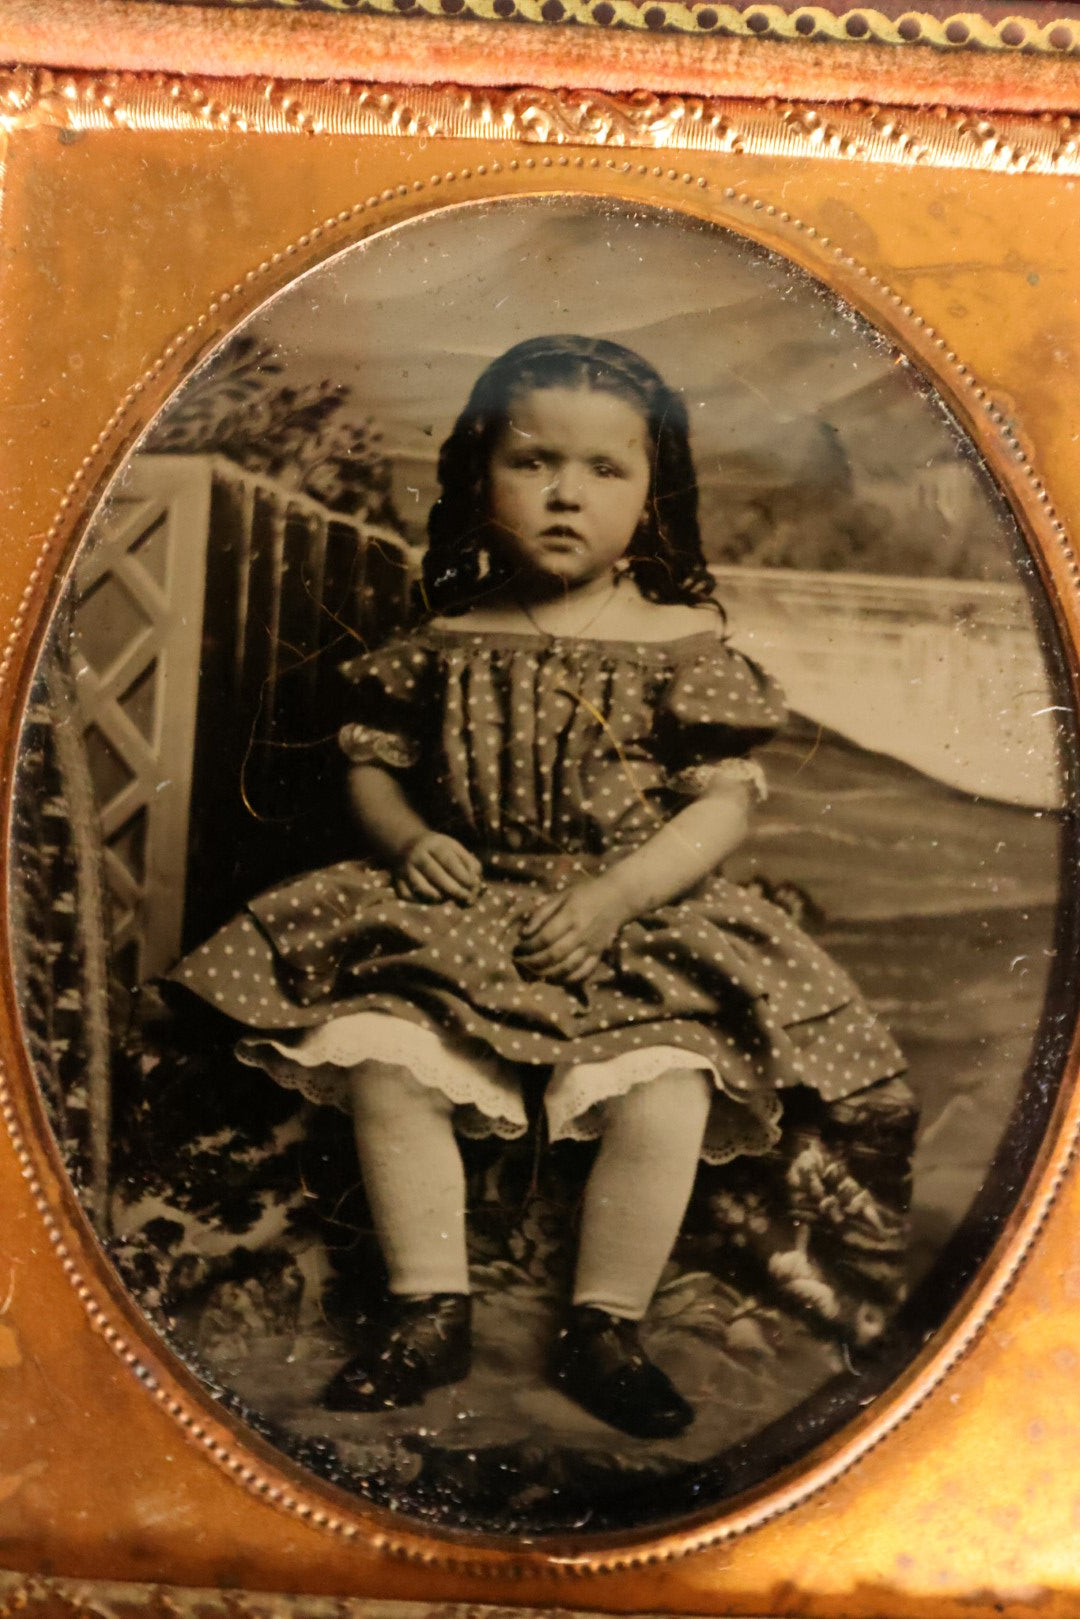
x: 560, y: 531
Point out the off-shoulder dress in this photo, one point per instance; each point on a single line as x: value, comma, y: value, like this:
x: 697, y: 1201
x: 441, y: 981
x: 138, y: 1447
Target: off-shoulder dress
x: 550, y: 760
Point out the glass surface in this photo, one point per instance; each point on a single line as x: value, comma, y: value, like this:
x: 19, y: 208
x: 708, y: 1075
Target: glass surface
x: 180, y: 758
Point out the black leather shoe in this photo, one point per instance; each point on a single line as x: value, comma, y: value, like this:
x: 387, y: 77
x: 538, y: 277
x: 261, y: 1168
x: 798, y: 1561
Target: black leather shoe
x: 599, y: 1362
x: 418, y: 1345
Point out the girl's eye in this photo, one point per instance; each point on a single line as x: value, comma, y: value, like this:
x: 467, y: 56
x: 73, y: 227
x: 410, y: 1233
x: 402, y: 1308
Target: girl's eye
x: 607, y: 469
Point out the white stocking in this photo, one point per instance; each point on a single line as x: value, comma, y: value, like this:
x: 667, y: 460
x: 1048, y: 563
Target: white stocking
x: 638, y: 1190
x: 413, y: 1178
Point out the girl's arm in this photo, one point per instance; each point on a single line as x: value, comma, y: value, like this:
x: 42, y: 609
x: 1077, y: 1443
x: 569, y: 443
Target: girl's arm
x: 427, y: 865
x: 565, y: 935
x: 383, y: 812
x: 687, y: 848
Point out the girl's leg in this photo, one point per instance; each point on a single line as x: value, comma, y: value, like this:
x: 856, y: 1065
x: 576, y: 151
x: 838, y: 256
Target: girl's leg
x: 414, y: 1179
x: 638, y: 1191
x: 415, y: 1186
x: 634, y: 1205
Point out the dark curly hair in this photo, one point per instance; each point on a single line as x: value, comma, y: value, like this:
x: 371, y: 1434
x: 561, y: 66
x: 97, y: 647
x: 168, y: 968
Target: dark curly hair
x: 665, y: 555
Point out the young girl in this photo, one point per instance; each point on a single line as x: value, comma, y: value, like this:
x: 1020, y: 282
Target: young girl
x: 547, y: 776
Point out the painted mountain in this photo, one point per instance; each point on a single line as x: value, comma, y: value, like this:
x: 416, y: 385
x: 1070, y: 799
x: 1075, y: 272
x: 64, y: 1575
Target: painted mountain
x: 817, y: 446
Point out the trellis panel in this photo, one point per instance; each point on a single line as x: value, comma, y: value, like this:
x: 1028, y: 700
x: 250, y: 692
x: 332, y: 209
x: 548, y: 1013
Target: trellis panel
x: 137, y: 626
x: 210, y: 613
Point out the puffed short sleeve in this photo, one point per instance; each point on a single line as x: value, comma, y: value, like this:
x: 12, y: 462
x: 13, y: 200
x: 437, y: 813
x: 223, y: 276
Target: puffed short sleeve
x: 389, y: 697
x: 718, y: 706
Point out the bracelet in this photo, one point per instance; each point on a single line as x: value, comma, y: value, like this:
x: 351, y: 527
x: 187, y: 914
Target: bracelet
x: 698, y: 780
x: 366, y: 744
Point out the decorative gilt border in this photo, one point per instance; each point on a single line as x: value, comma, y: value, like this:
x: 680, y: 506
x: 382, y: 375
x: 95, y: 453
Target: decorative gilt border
x: 33, y: 98
x: 272, y: 1477
x: 1015, y: 31
x: 54, y: 1597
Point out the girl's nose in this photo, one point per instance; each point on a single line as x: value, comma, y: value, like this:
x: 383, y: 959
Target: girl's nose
x: 564, y: 489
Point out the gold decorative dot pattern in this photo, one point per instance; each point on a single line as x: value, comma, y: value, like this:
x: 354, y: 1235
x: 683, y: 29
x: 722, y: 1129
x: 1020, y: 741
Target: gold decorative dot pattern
x: 963, y: 31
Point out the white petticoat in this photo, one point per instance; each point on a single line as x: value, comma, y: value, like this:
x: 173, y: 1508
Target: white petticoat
x: 486, y: 1092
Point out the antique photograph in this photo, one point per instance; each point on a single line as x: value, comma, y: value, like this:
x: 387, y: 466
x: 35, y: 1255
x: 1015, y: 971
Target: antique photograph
x: 540, y: 875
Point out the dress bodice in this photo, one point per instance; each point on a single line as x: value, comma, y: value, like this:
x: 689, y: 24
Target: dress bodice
x: 515, y: 743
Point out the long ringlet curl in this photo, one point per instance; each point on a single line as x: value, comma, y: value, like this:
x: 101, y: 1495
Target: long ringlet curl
x: 665, y: 556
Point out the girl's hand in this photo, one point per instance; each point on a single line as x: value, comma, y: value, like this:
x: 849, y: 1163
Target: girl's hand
x: 434, y: 867
x: 564, y: 936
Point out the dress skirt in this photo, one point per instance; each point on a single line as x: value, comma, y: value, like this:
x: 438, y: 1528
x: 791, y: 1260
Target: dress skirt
x: 550, y: 762
x: 722, y: 982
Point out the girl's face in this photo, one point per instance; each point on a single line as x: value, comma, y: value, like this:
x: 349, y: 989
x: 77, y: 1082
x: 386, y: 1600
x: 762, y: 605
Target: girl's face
x: 568, y: 481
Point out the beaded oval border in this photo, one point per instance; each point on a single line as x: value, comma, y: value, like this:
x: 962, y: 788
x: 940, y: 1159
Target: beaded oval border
x: 488, y: 1561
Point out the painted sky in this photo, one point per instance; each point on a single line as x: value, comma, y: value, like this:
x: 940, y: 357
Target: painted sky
x: 787, y: 389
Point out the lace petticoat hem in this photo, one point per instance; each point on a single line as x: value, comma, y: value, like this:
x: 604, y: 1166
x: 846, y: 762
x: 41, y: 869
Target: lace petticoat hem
x: 486, y: 1092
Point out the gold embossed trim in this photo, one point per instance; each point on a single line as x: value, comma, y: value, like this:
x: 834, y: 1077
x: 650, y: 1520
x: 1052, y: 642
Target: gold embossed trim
x: 1047, y: 143
x: 47, y: 1595
x: 1055, y: 35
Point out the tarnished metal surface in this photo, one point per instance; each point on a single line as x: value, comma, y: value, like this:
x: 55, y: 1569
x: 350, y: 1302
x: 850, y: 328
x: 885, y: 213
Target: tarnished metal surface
x: 126, y: 253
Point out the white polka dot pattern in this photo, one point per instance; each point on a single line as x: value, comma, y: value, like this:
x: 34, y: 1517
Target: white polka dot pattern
x: 551, y: 761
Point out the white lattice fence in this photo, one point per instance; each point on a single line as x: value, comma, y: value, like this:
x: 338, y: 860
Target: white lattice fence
x: 137, y: 624
x: 209, y: 610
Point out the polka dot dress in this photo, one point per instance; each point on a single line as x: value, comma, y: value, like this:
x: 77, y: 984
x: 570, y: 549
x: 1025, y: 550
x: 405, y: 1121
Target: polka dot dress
x: 551, y: 761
